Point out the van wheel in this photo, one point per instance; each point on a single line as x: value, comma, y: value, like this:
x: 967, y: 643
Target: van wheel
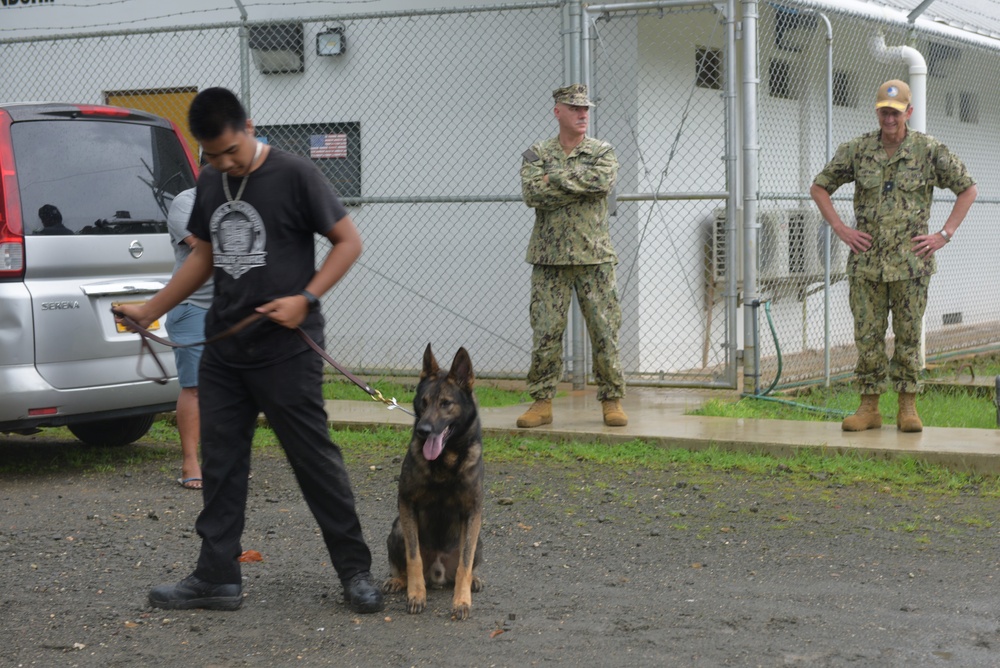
x: 113, y: 433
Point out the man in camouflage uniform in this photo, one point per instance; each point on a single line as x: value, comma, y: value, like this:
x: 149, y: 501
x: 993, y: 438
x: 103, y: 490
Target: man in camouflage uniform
x: 567, y: 180
x: 894, y: 170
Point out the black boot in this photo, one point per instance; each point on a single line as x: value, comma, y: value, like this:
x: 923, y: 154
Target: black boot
x: 362, y: 596
x: 192, y: 592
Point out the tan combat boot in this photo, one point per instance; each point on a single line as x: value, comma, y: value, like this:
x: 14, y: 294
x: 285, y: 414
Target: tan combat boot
x: 907, y: 419
x: 614, y: 416
x: 538, y: 413
x: 866, y: 417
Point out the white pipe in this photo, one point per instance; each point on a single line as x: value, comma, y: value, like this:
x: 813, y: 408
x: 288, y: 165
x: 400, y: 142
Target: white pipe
x: 918, y: 75
x: 826, y: 228
x: 918, y: 121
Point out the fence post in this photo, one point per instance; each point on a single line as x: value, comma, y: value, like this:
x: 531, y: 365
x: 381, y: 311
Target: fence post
x: 572, y: 40
x: 827, y: 237
x: 732, y: 198
x: 244, y: 58
x: 751, y: 152
x: 996, y: 399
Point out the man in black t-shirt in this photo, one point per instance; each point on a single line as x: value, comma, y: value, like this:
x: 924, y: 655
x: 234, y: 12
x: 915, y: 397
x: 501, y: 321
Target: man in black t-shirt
x: 261, y: 208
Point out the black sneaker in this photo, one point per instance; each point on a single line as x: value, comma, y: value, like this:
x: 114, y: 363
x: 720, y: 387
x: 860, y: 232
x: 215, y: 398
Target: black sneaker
x: 192, y: 592
x: 362, y: 596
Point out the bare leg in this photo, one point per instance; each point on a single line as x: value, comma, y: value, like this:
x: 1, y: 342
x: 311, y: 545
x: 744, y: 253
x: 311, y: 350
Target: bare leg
x: 189, y: 428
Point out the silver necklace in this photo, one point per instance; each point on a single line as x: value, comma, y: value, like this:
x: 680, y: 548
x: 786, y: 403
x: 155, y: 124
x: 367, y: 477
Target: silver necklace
x: 225, y: 176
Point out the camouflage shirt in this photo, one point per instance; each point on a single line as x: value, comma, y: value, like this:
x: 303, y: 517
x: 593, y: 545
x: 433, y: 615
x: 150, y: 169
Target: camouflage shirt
x: 892, y: 198
x: 571, y: 210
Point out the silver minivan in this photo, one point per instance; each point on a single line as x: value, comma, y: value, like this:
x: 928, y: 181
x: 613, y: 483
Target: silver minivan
x: 84, y: 193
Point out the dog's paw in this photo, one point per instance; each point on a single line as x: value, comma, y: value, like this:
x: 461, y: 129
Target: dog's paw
x: 392, y: 585
x: 461, y: 612
x: 477, y: 584
x: 415, y: 606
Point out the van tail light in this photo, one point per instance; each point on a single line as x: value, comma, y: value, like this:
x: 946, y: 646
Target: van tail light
x: 11, y: 226
x: 11, y: 257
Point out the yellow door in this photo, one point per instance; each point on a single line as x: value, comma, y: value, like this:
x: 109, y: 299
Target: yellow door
x: 172, y: 103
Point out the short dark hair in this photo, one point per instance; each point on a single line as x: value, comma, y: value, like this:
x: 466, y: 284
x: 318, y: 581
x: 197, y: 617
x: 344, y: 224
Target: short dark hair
x: 215, y: 110
x: 49, y: 215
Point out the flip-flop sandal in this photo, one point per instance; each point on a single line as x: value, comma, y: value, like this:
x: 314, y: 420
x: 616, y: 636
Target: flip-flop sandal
x: 186, y: 483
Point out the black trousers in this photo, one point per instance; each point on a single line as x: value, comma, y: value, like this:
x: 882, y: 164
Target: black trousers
x: 290, y: 395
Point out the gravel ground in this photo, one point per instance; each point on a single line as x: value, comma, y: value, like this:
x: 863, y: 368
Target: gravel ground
x: 584, y: 566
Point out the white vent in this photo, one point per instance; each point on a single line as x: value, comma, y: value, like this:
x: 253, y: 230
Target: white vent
x: 791, y: 246
x: 719, y: 252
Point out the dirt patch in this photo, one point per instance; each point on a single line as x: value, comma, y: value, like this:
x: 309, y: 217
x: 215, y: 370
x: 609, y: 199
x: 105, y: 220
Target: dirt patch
x: 584, y: 566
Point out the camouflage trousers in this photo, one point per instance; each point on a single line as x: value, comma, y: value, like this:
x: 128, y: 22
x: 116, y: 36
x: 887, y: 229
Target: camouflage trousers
x: 551, y: 294
x: 871, y: 303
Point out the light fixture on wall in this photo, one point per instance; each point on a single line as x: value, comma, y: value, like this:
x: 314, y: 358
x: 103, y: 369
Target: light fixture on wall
x: 330, y: 41
x: 277, y: 48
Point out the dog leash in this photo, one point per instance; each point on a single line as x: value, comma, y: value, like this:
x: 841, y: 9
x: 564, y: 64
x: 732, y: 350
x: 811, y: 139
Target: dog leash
x: 145, y: 336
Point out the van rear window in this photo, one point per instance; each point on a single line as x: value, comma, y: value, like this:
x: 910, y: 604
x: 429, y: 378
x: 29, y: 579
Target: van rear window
x: 97, y: 177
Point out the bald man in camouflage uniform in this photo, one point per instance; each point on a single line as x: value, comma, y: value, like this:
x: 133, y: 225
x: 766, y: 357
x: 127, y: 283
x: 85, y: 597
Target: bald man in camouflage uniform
x: 894, y: 170
x: 567, y: 180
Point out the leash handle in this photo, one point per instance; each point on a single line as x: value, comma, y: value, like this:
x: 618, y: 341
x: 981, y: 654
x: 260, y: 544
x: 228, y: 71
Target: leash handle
x: 145, y: 336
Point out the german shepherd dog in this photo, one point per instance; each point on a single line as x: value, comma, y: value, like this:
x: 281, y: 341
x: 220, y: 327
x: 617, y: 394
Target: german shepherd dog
x: 435, y: 539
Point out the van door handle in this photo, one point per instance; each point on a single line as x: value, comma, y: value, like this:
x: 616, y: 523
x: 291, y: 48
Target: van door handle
x: 126, y: 288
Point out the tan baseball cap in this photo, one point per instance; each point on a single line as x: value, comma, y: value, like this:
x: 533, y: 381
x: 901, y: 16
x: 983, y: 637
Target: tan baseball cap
x: 894, y: 94
x: 574, y: 95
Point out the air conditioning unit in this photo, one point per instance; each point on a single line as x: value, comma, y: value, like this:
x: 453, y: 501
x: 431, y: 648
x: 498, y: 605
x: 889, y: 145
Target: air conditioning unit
x: 775, y: 245
x: 719, y: 252
x: 791, y: 246
x: 805, y: 230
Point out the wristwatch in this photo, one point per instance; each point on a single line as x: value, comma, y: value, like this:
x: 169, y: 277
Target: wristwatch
x: 313, y: 300
x: 944, y: 233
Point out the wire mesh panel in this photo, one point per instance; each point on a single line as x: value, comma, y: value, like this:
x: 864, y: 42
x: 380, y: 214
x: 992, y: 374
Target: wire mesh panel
x: 158, y: 72
x: 658, y: 78
x: 418, y: 120
x: 962, y: 312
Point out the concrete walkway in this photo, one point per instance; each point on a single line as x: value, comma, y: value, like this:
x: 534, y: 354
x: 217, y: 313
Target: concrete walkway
x: 657, y: 415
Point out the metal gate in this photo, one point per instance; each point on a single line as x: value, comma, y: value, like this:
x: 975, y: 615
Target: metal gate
x: 664, y: 80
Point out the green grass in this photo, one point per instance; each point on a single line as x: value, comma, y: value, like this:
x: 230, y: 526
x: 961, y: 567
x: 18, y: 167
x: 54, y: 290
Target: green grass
x: 489, y: 397
x: 382, y: 446
x: 60, y: 453
x: 938, y: 407
x: 338, y: 390
x: 982, y: 366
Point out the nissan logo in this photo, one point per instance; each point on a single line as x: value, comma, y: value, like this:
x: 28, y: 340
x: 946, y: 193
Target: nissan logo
x: 135, y: 249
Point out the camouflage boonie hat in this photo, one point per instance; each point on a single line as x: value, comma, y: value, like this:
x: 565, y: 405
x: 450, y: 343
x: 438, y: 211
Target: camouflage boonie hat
x: 574, y: 95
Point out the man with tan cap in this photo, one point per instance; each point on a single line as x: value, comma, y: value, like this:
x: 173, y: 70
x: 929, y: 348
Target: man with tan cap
x: 894, y: 170
x: 567, y: 180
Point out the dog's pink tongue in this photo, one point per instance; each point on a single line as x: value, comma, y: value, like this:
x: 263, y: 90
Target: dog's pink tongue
x: 434, y: 445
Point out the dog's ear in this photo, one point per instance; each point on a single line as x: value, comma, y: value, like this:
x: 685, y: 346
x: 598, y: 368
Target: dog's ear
x: 461, y: 370
x: 430, y: 364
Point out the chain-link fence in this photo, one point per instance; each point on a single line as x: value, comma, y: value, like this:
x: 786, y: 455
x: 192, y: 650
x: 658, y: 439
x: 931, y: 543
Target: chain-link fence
x: 419, y: 120
x: 795, y: 44
x: 659, y: 73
